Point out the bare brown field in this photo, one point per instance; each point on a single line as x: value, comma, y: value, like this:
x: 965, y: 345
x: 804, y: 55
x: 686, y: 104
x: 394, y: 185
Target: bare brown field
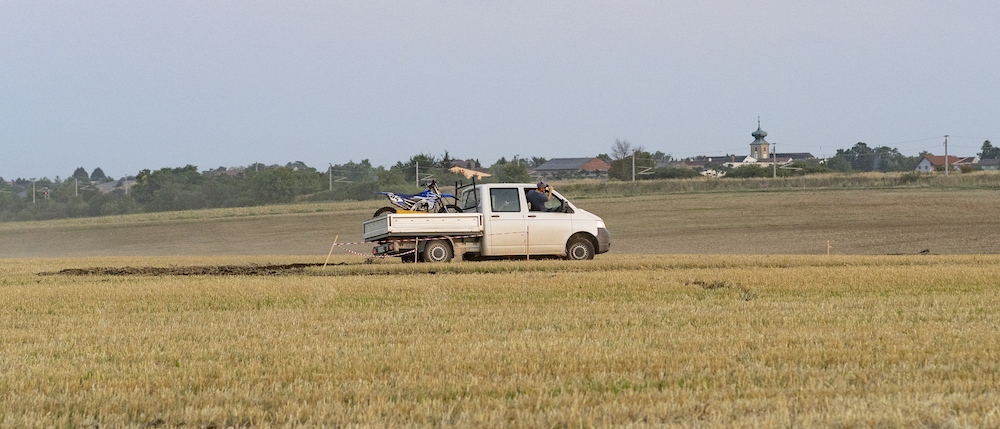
x: 855, y: 221
x: 624, y: 340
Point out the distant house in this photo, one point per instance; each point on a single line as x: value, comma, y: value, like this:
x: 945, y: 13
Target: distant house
x: 781, y: 160
x: 989, y: 164
x: 671, y: 164
x: 928, y: 163
x: 558, y: 167
x: 735, y: 161
x: 694, y: 163
x: 108, y: 187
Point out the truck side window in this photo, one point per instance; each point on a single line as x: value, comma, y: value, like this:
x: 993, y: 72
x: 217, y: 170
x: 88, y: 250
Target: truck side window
x: 505, y: 200
x: 555, y: 204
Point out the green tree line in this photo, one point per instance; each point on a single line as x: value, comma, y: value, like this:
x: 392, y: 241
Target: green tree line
x: 187, y: 188
x: 858, y: 158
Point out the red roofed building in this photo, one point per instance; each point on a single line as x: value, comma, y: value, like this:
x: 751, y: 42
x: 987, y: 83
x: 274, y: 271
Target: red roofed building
x: 567, y: 167
x: 929, y: 163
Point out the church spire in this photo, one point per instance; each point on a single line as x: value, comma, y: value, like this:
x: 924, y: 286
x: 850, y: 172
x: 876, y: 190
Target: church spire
x: 759, y: 149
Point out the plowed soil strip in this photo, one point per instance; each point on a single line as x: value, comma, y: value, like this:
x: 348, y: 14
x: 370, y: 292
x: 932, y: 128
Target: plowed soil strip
x: 217, y: 270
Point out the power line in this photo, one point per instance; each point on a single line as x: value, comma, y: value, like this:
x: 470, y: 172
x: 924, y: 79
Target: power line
x: 976, y: 138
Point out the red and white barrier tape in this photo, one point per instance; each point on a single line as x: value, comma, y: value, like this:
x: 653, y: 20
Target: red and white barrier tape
x: 428, y: 238
x: 415, y: 239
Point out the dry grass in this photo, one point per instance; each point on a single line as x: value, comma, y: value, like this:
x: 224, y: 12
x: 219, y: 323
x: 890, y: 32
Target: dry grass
x: 604, y: 188
x: 693, y: 341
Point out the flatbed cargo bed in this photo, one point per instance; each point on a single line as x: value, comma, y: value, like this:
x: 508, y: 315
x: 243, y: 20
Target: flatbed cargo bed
x: 393, y: 225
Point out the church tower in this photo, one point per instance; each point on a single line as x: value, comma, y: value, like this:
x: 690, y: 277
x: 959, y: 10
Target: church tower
x: 760, y: 148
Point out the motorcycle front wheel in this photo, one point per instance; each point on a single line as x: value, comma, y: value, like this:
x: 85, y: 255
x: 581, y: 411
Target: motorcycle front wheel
x: 383, y: 211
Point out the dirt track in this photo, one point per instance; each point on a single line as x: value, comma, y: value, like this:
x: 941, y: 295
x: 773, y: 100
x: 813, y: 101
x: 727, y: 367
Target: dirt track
x: 217, y: 270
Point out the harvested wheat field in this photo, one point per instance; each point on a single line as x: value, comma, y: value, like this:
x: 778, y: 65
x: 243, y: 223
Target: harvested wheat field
x: 691, y: 341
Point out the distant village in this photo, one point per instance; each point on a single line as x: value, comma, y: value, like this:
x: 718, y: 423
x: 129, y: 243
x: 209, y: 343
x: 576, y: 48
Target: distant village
x: 760, y: 155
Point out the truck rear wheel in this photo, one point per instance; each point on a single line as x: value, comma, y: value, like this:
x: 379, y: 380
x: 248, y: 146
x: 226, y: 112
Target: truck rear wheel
x: 437, y: 251
x: 579, y: 249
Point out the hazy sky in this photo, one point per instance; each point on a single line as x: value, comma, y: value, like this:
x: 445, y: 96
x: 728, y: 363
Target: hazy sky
x: 128, y: 85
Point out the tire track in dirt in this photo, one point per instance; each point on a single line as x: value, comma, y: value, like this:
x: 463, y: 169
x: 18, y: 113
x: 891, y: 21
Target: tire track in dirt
x: 215, y: 270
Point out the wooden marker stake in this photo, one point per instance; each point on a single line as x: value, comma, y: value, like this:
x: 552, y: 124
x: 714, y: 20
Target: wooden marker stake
x: 331, y: 251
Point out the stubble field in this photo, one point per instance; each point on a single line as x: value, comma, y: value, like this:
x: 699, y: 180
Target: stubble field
x: 694, y: 341
x: 713, y: 310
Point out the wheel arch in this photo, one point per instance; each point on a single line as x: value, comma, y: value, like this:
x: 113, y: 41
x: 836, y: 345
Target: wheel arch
x: 422, y: 245
x: 582, y: 234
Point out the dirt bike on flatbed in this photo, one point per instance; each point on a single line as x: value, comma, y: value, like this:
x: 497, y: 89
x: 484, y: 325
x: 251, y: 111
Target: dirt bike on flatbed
x: 429, y: 201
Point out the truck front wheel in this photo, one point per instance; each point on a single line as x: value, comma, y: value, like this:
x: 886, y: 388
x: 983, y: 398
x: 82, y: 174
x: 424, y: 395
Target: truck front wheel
x: 437, y: 251
x: 579, y: 249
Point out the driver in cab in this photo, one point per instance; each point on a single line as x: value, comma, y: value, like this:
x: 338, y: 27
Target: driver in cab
x: 538, y: 197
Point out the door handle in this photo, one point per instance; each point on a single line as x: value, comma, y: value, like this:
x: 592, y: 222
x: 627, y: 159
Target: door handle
x: 531, y: 215
x: 495, y: 216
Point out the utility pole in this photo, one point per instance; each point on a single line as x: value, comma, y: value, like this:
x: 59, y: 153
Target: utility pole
x: 633, y: 165
x: 946, y: 167
x: 331, y: 176
x: 76, y: 187
x: 774, y: 159
x: 417, y: 164
x: 32, y: 191
x: 126, y: 184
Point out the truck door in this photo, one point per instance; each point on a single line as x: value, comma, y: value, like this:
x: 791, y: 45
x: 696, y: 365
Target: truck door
x: 548, y: 230
x: 505, y: 223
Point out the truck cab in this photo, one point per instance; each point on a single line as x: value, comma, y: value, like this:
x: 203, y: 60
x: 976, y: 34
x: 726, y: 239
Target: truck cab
x: 512, y: 229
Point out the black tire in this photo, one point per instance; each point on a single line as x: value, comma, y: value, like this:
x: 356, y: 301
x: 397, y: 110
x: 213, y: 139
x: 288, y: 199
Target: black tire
x: 409, y: 258
x: 579, y: 249
x: 384, y: 210
x: 437, y: 251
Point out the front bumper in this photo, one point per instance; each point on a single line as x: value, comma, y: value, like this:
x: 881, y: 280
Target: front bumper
x: 603, y: 240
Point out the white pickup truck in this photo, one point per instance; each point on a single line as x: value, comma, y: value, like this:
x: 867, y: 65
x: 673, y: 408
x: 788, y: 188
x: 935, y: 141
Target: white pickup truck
x: 495, y: 222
